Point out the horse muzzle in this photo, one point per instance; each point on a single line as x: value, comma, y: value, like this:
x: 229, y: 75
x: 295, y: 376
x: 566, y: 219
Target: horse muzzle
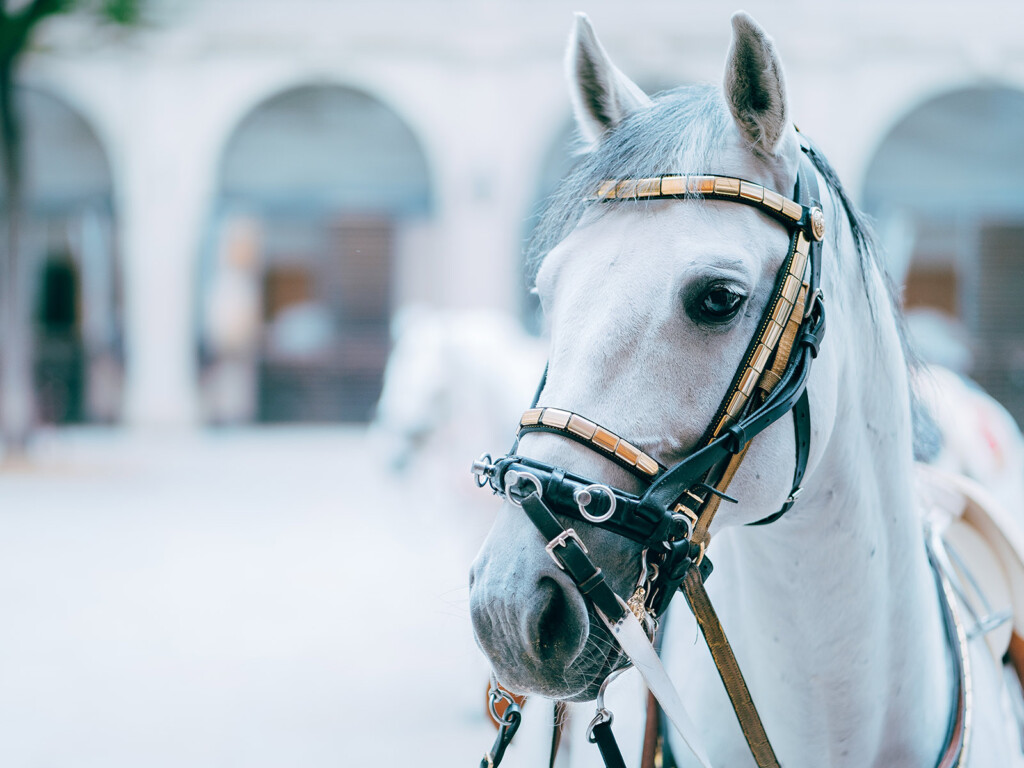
x: 532, y: 622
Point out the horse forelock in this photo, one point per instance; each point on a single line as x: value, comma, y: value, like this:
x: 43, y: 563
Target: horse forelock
x: 682, y: 131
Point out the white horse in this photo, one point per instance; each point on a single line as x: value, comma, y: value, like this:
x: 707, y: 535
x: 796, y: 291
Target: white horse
x: 833, y: 610
x: 454, y: 381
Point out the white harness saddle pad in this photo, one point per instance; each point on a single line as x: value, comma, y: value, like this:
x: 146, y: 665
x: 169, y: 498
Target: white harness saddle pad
x: 984, y: 545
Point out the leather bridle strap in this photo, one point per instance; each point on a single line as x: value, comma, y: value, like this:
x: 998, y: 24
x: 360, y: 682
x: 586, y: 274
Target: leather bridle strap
x: 693, y: 585
x: 601, y: 734
x: 729, y: 671
x: 770, y: 381
x: 570, y: 555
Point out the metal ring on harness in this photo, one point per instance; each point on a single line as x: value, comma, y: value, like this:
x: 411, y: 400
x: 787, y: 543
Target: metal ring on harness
x: 584, y: 496
x: 512, y: 478
x: 496, y: 694
x: 480, y: 469
x: 603, y: 714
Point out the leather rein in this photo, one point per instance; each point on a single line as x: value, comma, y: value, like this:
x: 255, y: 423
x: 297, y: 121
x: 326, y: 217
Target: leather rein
x: 672, y: 517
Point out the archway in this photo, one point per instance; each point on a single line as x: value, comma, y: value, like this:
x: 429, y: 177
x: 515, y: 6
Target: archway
x: 317, y: 185
x: 946, y: 187
x: 68, y: 242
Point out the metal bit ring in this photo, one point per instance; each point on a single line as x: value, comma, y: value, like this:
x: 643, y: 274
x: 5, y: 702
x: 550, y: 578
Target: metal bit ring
x: 584, y: 496
x: 512, y: 478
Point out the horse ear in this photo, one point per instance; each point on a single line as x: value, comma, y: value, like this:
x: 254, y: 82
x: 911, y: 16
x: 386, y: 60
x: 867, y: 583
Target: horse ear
x: 754, y: 85
x: 602, y: 97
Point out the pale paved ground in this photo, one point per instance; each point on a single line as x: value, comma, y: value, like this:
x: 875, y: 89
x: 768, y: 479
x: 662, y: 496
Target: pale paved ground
x: 256, y: 598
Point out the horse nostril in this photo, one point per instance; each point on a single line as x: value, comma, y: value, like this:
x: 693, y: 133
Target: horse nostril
x: 556, y: 624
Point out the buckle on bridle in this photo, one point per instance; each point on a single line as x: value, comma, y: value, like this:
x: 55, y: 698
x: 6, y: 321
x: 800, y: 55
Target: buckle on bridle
x: 561, y: 540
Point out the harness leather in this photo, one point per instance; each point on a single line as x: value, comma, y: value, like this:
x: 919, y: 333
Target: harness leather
x: 672, y: 518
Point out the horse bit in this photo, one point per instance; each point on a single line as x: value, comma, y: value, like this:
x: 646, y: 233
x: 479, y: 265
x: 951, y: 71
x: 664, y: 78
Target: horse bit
x: 670, y: 520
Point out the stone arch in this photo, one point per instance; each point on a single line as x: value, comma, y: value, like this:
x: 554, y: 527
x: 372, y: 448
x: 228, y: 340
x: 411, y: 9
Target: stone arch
x: 946, y: 186
x: 321, y: 191
x: 69, y: 245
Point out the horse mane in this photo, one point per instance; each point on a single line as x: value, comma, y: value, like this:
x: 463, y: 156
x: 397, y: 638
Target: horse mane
x: 650, y: 142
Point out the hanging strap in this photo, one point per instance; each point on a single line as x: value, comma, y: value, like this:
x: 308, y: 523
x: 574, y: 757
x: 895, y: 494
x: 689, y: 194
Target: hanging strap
x: 634, y: 642
x: 570, y: 554
x: 601, y: 734
x: 729, y: 670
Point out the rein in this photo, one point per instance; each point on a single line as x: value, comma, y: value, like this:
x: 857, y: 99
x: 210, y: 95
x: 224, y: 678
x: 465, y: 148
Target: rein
x: 672, y: 517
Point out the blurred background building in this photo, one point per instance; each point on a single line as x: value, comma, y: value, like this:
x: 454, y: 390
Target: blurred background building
x: 230, y: 202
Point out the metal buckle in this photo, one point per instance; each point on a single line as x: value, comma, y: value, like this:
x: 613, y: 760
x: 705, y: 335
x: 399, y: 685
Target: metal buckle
x: 688, y: 515
x: 795, y: 494
x: 583, y: 497
x: 561, y: 540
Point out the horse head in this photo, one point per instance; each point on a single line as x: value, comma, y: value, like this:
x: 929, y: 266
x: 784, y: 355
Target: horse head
x: 651, y: 305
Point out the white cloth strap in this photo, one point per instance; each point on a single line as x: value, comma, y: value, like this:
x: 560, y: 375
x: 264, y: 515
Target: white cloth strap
x: 633, y: 640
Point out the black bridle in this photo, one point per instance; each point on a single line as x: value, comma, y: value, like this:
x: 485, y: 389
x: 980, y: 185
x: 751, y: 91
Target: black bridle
x: 670, y: 518
x: 654, y: 519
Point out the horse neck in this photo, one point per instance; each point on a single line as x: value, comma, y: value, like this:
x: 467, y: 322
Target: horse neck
x: 835, y: 605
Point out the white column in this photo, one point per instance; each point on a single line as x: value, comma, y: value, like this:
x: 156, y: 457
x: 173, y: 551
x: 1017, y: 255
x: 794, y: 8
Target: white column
x: 166, y: 178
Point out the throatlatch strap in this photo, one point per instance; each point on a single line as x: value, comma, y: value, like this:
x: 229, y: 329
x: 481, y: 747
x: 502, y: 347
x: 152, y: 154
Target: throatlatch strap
x: 729, y: 670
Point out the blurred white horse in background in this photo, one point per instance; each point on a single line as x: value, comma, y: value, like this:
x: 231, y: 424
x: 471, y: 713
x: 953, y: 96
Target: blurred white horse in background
x: 455, y: 380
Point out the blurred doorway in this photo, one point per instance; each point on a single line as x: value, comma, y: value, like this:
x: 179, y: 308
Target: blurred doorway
x: 68, y: 242
x: 946, y: 187
x: 317, y: 186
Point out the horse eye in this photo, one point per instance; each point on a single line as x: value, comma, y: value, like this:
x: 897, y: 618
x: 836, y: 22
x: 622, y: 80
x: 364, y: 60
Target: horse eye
x: 720, y: 304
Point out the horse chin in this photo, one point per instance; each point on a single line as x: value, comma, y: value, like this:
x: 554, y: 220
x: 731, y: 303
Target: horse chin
x: 580, y: 682
x: 616, y: 660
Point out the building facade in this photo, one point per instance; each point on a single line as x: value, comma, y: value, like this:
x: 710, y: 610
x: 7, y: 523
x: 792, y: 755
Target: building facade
x: 231, y: 202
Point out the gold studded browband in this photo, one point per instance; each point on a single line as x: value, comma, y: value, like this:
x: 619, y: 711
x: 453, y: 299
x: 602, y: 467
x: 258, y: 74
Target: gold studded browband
x: 710, y: 187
